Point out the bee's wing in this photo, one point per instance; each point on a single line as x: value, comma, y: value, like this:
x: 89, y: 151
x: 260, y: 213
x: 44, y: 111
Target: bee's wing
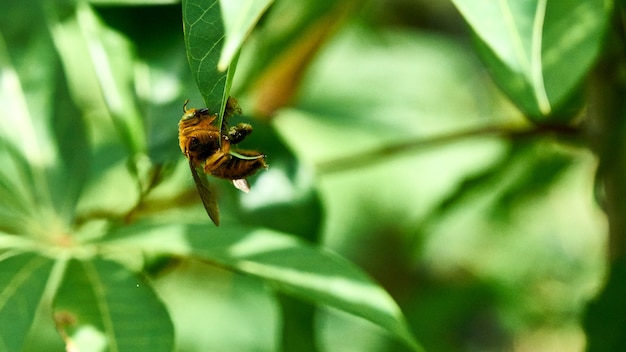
x: 208, y: 198
x: 242, y: 184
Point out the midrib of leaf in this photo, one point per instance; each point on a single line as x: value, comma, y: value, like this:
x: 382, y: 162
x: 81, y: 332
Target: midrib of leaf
x: 52, y: 285
x: 103, y: 307
x: 18, y: 279
x: 531, y: 63
x: 536, y: 59
x: 230, y: 74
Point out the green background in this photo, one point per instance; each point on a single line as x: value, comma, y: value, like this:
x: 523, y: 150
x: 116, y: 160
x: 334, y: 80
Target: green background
x: 443, y: 176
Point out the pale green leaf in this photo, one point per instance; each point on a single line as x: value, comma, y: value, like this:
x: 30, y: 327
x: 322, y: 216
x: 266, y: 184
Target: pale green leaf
x: 533, y: 48
x: 98, y: 62
x: 240, y: 17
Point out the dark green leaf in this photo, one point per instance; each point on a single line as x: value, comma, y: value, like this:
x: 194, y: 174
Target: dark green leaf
x: 102, y: 303
x: 70, y: 135
x: 204, y: 38
x: 22, y: 282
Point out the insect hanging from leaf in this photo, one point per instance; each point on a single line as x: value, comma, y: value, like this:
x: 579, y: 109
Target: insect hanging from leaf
x: 209, y: 151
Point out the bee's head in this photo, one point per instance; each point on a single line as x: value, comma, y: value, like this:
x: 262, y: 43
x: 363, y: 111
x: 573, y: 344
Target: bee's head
x: 191, y: 113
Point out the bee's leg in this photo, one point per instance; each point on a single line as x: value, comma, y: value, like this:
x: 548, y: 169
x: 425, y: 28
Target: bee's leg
x: 232, y: 108
x: 215, y: 161
x: 237, y: 133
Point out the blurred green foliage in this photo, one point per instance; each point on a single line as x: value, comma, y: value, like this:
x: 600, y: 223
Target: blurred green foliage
x: 443, y: 175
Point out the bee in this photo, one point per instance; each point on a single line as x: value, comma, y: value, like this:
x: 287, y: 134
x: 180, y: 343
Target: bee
x: 209, y: 149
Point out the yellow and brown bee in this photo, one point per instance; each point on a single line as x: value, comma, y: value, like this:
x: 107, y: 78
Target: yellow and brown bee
x: 209, y: 149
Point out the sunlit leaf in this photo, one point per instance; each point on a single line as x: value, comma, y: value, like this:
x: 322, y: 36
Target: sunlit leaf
x: 21, y: 119
x: 97, y: 61
x: 43, y: 139
x: 240, y: 16
x: 290, y: 265
x: 26, y: 145
x: 533, y: 50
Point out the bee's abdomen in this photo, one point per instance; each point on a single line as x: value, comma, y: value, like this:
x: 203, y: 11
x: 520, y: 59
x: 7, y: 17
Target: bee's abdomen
x: 235, y: 168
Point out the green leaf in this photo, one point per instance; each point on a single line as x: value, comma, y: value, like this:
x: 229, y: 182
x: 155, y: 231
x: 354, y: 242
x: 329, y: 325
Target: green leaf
x: 20, y: 120
x: 104, y: 304
x: 44, y: 142
x: 70, y: 135
x: 289, y: 264
x: 532, y: 49
x: 214, y: 309
x: 204, y: 37
x: 15, y: 191
x: 240, y: 16
x: 605, y: 317
x: 99, y: 66
x: 22, y: 283
x: 133, y: 2
x: 26, y: 145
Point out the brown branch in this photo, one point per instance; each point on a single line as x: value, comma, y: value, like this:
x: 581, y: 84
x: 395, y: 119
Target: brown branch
x: 368, y: 157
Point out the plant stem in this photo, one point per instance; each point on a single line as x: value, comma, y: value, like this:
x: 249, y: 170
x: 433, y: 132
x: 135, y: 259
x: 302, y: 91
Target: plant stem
x: 607, y: 132
x: 368, y: 157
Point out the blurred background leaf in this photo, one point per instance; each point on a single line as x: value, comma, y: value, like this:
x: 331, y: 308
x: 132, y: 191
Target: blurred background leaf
x: 532, y: 49
x: 240, y: 17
